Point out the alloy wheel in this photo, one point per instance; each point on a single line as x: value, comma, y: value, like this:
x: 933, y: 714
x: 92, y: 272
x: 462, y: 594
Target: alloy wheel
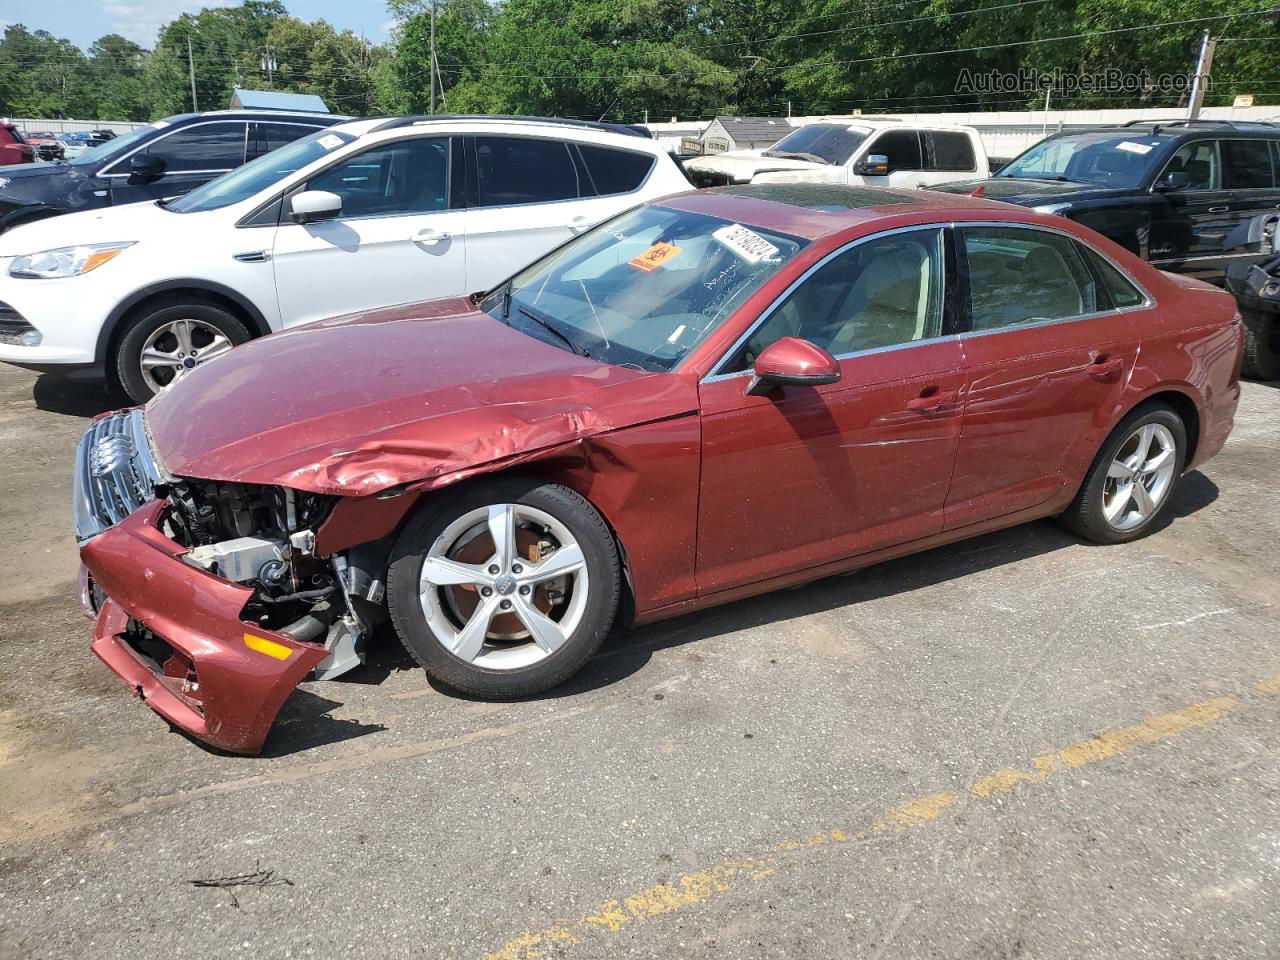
x: 178, y: 347
x: 1140, y: 477
x: 504, y: 586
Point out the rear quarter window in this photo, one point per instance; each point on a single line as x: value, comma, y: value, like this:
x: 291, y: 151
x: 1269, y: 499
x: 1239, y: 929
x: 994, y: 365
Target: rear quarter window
x: 1121, y: 290
x: 615, y: 171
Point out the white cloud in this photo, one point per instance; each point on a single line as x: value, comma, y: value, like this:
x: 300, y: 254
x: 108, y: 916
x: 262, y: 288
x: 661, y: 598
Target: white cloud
x: 386, y: 29
x: 141, y: 21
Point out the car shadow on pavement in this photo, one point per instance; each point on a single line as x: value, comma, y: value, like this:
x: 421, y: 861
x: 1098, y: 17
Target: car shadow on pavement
x: 627, y: 651
x: 304, y: 722
x: 77, y: 398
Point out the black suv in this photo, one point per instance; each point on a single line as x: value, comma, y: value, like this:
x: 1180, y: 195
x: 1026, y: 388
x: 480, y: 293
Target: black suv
x: 164, y: 159
x: 1200, y: 197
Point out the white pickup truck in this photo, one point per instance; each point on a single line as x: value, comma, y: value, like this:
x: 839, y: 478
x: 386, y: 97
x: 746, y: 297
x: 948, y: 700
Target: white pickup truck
x: 869, y: 152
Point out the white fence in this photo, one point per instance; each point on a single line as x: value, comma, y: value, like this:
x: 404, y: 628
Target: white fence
x: 1004, y: 134
x: 72, y: 126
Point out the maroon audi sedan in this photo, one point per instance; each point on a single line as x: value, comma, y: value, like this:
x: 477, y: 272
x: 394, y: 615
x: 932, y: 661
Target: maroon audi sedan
x: 707, y: 397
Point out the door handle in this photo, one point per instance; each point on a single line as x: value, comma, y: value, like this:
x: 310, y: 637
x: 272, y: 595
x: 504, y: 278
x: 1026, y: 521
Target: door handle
x: 930, y: 400
x: 430, y: 235
x: 578, y: 223
x: 1219, y: 209
x: 1105, y: 369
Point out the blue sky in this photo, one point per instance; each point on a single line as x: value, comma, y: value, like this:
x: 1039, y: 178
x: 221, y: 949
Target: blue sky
x: 83, y: 21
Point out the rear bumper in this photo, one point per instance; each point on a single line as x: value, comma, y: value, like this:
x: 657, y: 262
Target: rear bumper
x: 218, y: 678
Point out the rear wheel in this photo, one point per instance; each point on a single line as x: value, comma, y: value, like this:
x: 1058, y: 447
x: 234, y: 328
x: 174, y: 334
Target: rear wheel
x: 506, y: 589
x: 1132, y: 477
x: 168, y: 342
x: 1261, y: 345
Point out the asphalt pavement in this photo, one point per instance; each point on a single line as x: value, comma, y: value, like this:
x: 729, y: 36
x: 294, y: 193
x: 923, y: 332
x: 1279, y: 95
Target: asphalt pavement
x: 1017, y: 746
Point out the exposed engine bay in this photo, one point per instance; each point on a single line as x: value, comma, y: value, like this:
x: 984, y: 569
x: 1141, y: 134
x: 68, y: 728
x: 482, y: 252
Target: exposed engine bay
x: 264, y: 537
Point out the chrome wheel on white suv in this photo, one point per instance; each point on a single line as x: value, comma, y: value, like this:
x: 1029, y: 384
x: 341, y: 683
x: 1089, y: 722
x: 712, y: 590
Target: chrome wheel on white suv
x: 176, y: 348
x: 167, y: 342
x: 505, y: 589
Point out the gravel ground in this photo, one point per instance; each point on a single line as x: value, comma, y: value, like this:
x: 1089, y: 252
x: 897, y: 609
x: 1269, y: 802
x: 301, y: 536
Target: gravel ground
x: 1018, y: 745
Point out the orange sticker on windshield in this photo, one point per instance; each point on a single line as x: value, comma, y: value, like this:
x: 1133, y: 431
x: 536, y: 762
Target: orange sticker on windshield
x: 654, y: 257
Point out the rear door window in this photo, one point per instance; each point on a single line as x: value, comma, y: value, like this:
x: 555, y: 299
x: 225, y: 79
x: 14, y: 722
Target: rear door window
x: 518, y: 170
x: 205, y: 147
x: 902, y: 147
x: 265, y: 137
x: 1246, y: 165
x: 1019, y: 276
x: 948, y: 151
x: 615, y: 171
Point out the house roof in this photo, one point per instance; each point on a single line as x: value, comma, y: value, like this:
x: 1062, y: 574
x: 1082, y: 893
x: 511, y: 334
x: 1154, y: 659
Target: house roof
x: 271, y: 100
x: 756, y: 128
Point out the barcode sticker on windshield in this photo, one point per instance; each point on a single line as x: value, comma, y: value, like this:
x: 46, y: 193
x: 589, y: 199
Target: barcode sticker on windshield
x: 747, y: 244
x: 654, y: 257
x: 1131, y: 147
x: 329, y: 141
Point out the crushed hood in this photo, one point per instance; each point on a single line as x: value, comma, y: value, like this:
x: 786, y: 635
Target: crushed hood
x: 741, y: 166
x: 416, y: 395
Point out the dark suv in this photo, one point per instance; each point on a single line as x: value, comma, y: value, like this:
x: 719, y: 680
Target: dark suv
x: 1200, y: 197
x: 164, y: 159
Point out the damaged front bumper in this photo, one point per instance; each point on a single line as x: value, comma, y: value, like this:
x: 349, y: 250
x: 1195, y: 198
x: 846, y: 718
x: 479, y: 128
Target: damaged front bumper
x: 174, y: 633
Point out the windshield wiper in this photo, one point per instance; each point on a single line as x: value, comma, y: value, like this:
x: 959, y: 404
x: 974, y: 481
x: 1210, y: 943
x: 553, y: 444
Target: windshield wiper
x: 547, y: 325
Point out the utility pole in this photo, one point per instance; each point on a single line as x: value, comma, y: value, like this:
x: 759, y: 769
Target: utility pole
x: 433, y: 56
x: 191, y: 67
x: 1044, y: 127
x: 1204, y: 65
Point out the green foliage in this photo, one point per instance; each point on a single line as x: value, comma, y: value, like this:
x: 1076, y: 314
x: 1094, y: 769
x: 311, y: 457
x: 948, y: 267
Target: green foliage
x: 627, y: 59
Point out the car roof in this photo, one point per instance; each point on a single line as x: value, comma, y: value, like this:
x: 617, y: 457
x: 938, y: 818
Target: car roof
x: 557, y: 126
x: 330, y: 118
x: 814, y: 211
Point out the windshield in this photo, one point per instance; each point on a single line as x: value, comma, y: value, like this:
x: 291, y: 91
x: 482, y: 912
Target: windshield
x: 1108, y: 158
x: 643, y: 289
x: 831, y: 143
x: 121, y: 144
x: 257, y: 175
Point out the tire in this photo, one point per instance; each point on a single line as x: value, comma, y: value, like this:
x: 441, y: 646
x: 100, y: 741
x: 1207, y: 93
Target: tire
x: 441, y: 567
x: 1261, y: 345
x: 210, y: 331
x: 1101, y: 512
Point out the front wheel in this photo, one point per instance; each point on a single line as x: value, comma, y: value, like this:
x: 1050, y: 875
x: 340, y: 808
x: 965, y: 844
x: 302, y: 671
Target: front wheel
x: 167, y: 343
x: 1132, y: 477
x: 506, y: 589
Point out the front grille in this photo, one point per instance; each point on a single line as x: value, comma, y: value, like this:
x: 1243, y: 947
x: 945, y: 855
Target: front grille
x: 14, y: 329
x: 116, y: 473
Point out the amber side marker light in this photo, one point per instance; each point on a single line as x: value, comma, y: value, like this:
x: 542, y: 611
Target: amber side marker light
x: 269, y: 647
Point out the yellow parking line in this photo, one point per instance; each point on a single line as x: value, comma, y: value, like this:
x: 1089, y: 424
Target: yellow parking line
x: 614, y: 915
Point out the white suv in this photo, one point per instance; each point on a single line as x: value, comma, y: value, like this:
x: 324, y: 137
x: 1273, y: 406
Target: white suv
x: 363, y: 214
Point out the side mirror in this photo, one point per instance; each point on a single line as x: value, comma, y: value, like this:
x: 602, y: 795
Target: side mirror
x: 872, y: 165
x: 145, y: 168
x: 792, y: 362
x: 1177, y: 180
x: 311, y: 205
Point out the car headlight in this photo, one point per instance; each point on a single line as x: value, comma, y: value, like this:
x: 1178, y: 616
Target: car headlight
x: 1051, y: 208
x: 65, y: 261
